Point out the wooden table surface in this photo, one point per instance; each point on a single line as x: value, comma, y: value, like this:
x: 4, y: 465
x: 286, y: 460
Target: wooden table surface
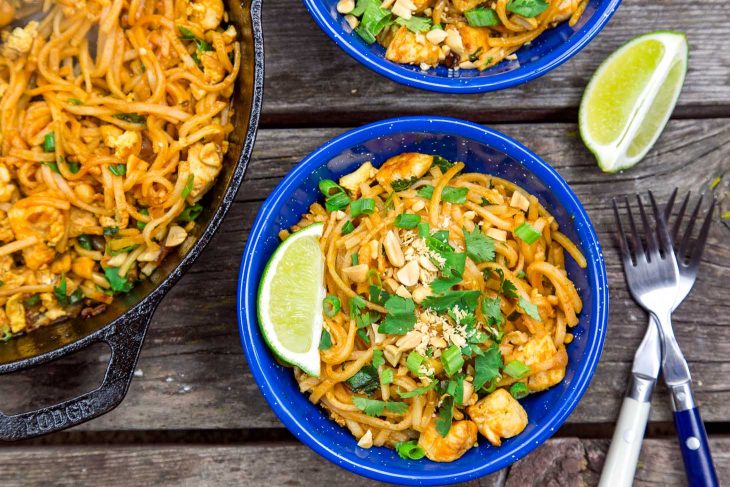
x: 194, y: 415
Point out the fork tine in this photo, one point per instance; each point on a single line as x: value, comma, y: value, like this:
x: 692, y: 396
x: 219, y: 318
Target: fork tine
x: 699, y: 245
x: 625, y: 252
x: 684, y: 245
x: 669, y: 205
x: 636, y: 241
x: 665, y: 243
x: 680, y: 216
x: 652, y: 247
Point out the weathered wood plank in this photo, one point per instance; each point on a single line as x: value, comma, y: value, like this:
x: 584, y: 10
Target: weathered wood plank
x: 194, y: 374
x: 565, y: 461
x: 311, y: 81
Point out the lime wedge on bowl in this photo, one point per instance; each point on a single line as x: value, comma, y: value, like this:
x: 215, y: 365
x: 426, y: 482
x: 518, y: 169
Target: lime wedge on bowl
x: 290, y: 299
x: 630, y: 98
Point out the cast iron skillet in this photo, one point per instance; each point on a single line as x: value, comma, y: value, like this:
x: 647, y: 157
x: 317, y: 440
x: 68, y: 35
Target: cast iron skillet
x: 124, y: 325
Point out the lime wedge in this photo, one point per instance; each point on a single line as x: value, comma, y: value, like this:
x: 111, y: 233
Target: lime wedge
x: 290, y: 299
x: 631, y: 97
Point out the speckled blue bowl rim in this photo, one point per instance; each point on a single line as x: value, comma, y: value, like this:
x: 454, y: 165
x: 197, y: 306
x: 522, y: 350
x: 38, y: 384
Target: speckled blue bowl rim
x: 479, y: 84
x: 258, y: 356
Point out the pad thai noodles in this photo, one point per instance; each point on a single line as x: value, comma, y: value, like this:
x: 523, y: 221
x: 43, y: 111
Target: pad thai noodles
x: 447, y: 301
x: 458, y: 34
x: 114, y: 119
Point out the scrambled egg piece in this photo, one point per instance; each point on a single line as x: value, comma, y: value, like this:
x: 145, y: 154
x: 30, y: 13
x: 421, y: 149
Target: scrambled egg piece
x: 15, y: 312
x: 461, y: 437
x: 408, y: 166
x: 123, y: 142
x: 498, y: 416
x: 205, y: 164
x: 405, y: 48
x: 20, y: 40
x: 212, y: 68
x: 206, y: 13
x: 42, y: 221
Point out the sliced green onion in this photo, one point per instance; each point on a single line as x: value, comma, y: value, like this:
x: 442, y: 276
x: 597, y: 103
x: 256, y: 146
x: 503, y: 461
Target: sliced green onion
x: 73, y: 167
x: 519, y: 390
x: 331, y: 305
x: 49, y: 142
x: 354, y: 258
x: 482, y: 17
x: 336, y: 202
x: 348, y: 227
x: 409, y: 450
x: 329, y: 187
x: 118, y: 169
x: 52, y: 165
x: 190, y: 213
x: 135, y: 118
x: 407, y: 221
x: 527, y: 233
x: 363, y: 206
x: 414, y: 362
x: 516, y: 369
x: 424, y: 230
x: 141, y: 224
x: 74, y: 101
x: 188, y: 187
x: 452, y: 360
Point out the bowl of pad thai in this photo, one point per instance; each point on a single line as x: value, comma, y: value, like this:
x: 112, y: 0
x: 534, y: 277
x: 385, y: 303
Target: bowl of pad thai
x: 462, y: 46
x: 422, y: 300
x: 125, y: 129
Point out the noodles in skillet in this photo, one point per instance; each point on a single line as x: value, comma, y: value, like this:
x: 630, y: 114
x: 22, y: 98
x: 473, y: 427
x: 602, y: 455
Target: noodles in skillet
x: 114, y: 119
x: 458, y: 34
x: 447, y: 301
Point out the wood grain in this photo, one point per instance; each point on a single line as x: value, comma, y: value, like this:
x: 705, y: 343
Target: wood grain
x: 192, y: 370
x: 312, y: 82
x: 564, y: 462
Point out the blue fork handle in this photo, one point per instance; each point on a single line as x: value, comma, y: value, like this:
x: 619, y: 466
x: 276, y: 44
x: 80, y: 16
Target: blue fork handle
x: 695, y: 448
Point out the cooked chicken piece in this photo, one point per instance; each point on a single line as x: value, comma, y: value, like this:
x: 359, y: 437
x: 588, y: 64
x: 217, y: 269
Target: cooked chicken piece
x: 475, y: 41
x: 352, y: 181
x: 405, y: 49
x: 15, y: 312
x: 546, y: 379
x: 20, y: 40
x: 464, y: 5
x: 422, y: 5
x: 212, y: 68
x: 205, y: 164
x: 535, y: 351
x: 83, y: 267
x: 404, y: 168
x: 461, y: 437
x: 206, y: 13
x: 498, y: 416
x: 82, y: 222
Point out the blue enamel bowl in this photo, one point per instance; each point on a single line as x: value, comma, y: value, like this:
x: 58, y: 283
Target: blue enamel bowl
x: 551, y: 49
x: 482, y: 150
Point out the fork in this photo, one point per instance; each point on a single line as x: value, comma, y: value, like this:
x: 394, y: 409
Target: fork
x: 622, y: 457
x: 654, y: 280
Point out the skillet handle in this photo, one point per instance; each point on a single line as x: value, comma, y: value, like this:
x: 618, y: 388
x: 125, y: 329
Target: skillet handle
x: 125, y: 341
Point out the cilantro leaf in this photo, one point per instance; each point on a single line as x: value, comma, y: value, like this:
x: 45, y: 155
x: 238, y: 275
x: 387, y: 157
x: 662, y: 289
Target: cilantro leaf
x: 530, y: 309
x: 378, y: 359
x: 325, y: 342
x: 449, y: 194
x: 118, y: 283
x: 446, y: 416
x: 401, y: 316
x: 527, y: 8
x: 492, y: 311
x: 365, y: 380
x: 479, y: 247
x: 373, y: 407
x: 466, y: 300
x: 455, y: 387
x: 417, y: 391
x: 487, y: 366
